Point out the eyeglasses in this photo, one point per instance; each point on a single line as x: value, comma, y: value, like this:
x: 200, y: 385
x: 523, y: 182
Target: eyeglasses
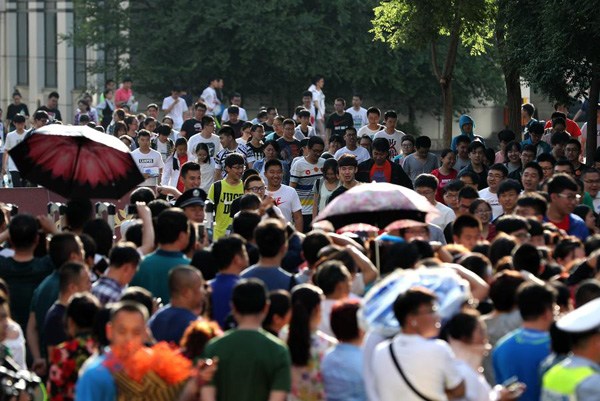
x: 257, y: 189
x: 570, y: 197
x: 486, y: 211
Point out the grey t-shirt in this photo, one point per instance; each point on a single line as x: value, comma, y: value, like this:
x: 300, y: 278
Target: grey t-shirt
x: 413, y: 166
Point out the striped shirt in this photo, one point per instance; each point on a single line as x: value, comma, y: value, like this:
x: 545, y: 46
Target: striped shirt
x: 222, y: 155
x: 305, y: 174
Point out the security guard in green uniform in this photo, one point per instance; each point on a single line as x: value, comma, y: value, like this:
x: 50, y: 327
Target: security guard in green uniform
x: 578, y: 376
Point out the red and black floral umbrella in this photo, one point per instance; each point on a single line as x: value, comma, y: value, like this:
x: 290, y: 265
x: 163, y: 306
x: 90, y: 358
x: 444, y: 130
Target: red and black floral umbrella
x: 77, y: 162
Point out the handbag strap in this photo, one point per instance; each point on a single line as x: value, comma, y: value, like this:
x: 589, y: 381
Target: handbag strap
x: 417, y: 392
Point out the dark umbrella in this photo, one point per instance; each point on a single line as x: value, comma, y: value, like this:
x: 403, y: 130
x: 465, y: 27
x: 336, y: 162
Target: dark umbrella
x: 77, y: 162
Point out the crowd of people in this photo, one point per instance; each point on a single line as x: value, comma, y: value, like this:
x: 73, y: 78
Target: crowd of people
x: 222, y: 257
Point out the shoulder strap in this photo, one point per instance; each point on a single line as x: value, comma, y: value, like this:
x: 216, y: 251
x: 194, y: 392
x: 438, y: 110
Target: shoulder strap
x: 404, y: 376
x: 217, y: 193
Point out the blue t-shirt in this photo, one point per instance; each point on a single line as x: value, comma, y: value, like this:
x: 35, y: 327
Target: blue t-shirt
x: 169, y: 323
x: 342, y: 371
x: 96, y: 383
x: 275, y: 278
x: 520, y: 353
x: 222, y: 288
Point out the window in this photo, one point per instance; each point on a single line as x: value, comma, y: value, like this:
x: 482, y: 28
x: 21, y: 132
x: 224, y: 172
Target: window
x: 50, y: 42
x: 22, y: 43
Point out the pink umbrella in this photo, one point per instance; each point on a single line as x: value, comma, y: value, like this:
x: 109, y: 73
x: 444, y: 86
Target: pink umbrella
x: 377, y: 204
x: 358, y: 228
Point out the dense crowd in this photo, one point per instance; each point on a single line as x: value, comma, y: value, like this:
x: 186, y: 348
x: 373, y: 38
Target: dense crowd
x: 222, y: 257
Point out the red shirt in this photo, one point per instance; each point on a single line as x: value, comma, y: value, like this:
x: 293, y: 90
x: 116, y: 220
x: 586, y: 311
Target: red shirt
x: 381, y: 173
x: 443, y: 180
x: 182, y: 160
x: 572, y: 127
x: 563, y: 224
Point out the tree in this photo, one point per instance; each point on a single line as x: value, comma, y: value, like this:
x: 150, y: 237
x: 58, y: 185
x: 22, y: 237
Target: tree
x: 415, y: 22
x: 510, y: 67
x: 562, y: 54
x: 103, y: 26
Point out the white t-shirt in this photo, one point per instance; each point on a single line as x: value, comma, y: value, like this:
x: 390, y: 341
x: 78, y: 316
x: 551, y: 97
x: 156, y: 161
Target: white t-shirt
x: 492, y: 199
x: 243, y: 115
x: 361, y: 153
x: 151, y: 160
x: 299, y: 135
x: 176, y: 112
x: 446, y: 216
x: 207, y: 174
x: 367, y: 131
x: 305, y: 174
x: 162, y: 149
x: 319, y: 97
x: 288, y: 201
x: 214, y: 145
x: 13, y: 139
x: 394, y: 139
x: 430, y: 366
x: 358, y: 116
x: 209, y: 96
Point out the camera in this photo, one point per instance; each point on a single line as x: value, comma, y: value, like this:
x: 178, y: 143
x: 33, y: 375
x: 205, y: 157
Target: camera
x: 15, y: 383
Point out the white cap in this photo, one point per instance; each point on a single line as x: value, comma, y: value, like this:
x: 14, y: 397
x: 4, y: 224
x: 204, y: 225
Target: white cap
x: 584, y: 318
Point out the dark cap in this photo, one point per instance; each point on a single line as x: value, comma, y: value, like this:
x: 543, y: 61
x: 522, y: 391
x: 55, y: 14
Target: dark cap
x: 195, y: 196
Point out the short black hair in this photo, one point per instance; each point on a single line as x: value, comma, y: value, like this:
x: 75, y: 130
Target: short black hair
x: 506, y: 135
x: 313, y: 242
x: 464, y: 221
x: 170, y: 223
x: 225, y: 249
x: 381, y: 145
x: 529, y: 108
x: 423, y: 141
x: 587, y: 291
x: 23, y: 231
x: 373, y: 110
x: 560, y: 182
x: 329, y: 274
x: 536, y: 167
x: 503, y: 290
x: 427, y: 181
x: 61, y: 246
x: 249, y: 296
x: 79, y: 212
x: 536, y: 129
x: 527, y: 257
x: 270, y: 236
x: 468, y: 192
x: 535, y: 201
x: 454, y: 186
x: 273, y: 162
x: 189, y: 166
x: 546, y: 157
x: 245, y: 223
x: 463, y: 139
x: 234, y: 159
x: 534, y: 300
x: 511, y: 223
x: 499, y: 167
x: 473, y: 146
x: 69, y: 273
x: 390, y: 114
x: 130, y: 307
x: 409, y: 302
x: 122, y: 253
x: 509, y: 185
x: 82, y: 310
x: 347, y: 159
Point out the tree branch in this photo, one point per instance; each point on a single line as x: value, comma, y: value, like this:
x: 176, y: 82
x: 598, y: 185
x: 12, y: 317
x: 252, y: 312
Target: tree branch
x: 436, y: 69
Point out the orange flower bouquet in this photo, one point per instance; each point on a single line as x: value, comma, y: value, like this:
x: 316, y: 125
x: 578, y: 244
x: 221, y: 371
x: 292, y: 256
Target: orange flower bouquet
x: 157, y: 373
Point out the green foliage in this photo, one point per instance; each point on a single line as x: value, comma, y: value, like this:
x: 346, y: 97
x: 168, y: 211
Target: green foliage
x: 414, y: 22
x: 558, y: 42
x: 272, y: 48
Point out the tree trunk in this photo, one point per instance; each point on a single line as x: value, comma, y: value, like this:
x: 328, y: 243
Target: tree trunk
x: 513, y: 99
x: 448, y: 106
x: 592, y: 142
